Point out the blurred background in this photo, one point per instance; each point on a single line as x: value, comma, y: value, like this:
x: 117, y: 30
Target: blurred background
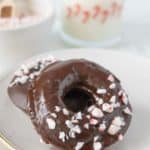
x: 43, y: 35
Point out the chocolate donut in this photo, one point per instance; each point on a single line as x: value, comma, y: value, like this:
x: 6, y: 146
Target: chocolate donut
x: 74, y: 104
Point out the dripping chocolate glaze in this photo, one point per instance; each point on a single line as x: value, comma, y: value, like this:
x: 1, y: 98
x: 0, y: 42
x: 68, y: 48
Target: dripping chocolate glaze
x: 68, y: 103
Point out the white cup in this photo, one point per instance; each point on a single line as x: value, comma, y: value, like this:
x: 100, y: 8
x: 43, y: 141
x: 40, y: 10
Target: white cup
x: 16, y: 44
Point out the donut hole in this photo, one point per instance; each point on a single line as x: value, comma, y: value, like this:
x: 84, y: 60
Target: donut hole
x: 77, y: 99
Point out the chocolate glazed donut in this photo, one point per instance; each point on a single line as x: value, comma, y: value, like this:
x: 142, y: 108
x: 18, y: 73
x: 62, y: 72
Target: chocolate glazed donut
x: 73, y: 104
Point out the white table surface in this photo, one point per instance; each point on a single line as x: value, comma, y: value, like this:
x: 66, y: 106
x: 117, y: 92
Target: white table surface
x: 136, y: 33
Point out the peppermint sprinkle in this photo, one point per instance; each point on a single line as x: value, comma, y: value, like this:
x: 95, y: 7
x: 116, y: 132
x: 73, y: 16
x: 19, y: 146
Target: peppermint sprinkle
x: 112, y: 86
x: 125, y: 99
x: 54, y: 115
x: 79, y: 145
x: 88, y: 116
x: 96, y: 138
x: 120, y: 137
x: 76, y: 129
x: 24, y: 74
x: 97, y: 146
x: 101, y: 91
x: 69, y: 124
x: 113, y: 129
x: 57, y: 109
x: 118, y: 121
x: 107, y: 108
x: 111, y: 78
x: 99, y: 101
x: 116, y: 105
x: 120, y: 93
x: 116, y: 125
x: 72, y: 134
x: 73, y: 128
x: 91, y: 108
x: 51, y: 123
x: 102, y: 127
x: 86, y: 126
x: 65, y: 112
x: 113, y: 99
x: 41, y: 141
x: 21, y: 80
x: 93, y: 121
x: 62, y: 136
x: 78, y: 116
x: 96, y: 112
x: 127, y: 111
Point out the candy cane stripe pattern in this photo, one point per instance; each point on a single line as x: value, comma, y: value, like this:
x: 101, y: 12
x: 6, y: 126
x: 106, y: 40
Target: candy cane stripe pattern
x: 114, y: 8
x: 77, y: 9
x: 86, y: 16
x: 97, y: 11
x: 69, y: 11
x: 120, y: 7
x: 105, y: 15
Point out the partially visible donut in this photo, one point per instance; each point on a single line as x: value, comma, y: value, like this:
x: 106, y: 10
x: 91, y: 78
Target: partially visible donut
x: 74, y: 104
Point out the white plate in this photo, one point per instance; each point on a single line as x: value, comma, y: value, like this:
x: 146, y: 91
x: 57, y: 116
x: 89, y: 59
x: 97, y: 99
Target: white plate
x: 135, y: 75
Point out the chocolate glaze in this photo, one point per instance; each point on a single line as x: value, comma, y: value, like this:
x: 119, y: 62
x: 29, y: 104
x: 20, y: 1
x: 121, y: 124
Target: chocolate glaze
x: 70, y: 92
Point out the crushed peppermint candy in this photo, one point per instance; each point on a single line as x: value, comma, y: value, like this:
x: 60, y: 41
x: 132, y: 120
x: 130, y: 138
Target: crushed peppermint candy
x: 91, y: 108
x: 120, y: 93
x: 41, y: 141
x: 62, y: 136
x: 101, y: 91
x: 127, y: 111
x: 93, y: 121
x: 96, y: 138
x: 73, y: 120
x: 69, y: 124
x: 65, y: 111
x: 112, y: 86
x: 96, y: 112
x: 86, y: 126
x: 54, y: 115
x: 73, y: 128
x: 118, y: 121
x: 125, y: 99
x: 102, y: 127
x: 72, y: 134
x: 123, y: 96
x: 57, y: 109
x: 76, y: 129
x: 78, y: 116
x: 79, y: 145
x: 51, y: 123
x: 99, y: 100
x: 97, y: 146
x: 116, y: 125
x: 111, y: 78
x: 116, y: 105
x: 107, y: 108
x: 120, y: 137
x: 113, y: 129
x: 23, y: 74
x: 113, y: 99
x: 88, y: 116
